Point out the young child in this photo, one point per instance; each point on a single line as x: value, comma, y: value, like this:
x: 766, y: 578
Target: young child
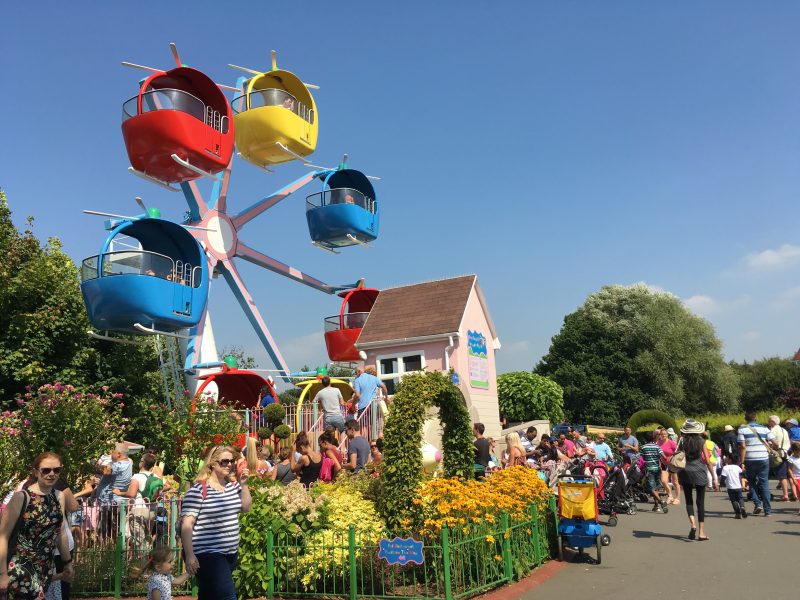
x: 160, y: 582
x: 794, y: 468
x: 734, y: 481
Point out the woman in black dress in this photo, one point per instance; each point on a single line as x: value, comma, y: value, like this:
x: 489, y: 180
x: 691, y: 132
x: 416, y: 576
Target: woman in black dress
x: 309, y: 465
x: 32, y: 522
x: 695, y: 476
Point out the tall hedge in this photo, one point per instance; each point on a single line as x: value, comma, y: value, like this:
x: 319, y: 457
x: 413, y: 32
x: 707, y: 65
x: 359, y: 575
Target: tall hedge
x: 402, y: 433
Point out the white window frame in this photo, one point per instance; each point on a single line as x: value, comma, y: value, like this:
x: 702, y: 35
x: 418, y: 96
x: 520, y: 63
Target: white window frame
x: 401, y: 372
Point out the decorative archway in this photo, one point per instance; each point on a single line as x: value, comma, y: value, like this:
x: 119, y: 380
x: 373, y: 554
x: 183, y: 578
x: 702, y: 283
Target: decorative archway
x: 402, y: 471
x: 648, y: 416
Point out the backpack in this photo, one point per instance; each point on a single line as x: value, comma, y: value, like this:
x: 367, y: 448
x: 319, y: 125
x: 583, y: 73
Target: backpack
x: 153, y: 488
x: 326, y: 470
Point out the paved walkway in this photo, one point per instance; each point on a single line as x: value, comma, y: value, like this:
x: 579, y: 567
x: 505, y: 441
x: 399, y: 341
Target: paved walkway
x: 650, y: 557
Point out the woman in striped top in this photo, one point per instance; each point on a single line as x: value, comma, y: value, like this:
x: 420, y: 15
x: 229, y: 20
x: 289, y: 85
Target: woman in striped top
x: 210, y: 526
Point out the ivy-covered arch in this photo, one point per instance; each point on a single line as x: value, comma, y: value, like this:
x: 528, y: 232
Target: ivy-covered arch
x: 402, y: 438
x: 648, y: 416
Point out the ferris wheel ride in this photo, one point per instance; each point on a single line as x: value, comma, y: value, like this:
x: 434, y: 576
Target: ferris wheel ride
x: 162, y: 287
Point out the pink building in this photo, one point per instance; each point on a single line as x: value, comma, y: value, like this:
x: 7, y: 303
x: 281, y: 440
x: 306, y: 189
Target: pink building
x: 437, y: 326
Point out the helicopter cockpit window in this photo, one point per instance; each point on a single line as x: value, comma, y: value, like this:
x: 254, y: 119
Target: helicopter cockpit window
x: 274, y: 97
x: 171, y: 99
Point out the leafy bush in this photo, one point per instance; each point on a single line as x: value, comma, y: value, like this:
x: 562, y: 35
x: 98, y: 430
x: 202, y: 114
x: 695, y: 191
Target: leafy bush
x: 274, y: 414
x: 526, y: 396
x: 283, y: 432
x: 292, y: 510
x: 456, y: 502
x: 60, y: 419
x: 345, y: 506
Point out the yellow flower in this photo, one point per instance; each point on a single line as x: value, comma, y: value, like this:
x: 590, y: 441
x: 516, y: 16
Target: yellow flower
x: 497, y: 557
x: 490, y: 539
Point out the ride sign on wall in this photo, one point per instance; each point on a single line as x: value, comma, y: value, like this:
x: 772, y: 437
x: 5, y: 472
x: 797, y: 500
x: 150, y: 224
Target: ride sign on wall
x: 478, y: 360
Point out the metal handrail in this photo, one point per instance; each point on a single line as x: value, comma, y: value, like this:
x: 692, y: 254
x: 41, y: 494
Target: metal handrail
x: 273, y: 97
x: 341, y: 196
x: 206, y: 114
x: 179, y: 271
x: 352, y: 320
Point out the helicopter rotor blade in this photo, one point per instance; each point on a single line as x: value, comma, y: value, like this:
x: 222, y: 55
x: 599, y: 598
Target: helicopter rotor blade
x: 174, y: 49
x: 228, y: 87
x: 274, y: 60
x: 135, y: 66
x: 245, y: 69
x: 140, y: 202
x: 311, y: 86
x: 344, y: 158
x: 98, y: 213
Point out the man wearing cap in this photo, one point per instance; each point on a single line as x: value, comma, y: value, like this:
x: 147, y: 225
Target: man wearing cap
x: 794, y: 430
x: 753, y: 439
x: 781, y: 443
x: 729, y: 445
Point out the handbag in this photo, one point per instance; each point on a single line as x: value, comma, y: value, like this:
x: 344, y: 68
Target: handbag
x: 14, y: 536
x: 677, y: 462
x: 775, y: 456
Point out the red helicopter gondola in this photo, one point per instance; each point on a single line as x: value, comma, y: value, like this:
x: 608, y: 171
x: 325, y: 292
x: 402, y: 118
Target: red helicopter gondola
x: 178, y: 127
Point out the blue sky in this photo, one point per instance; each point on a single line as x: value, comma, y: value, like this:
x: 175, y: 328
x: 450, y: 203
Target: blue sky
x: 549, y: 147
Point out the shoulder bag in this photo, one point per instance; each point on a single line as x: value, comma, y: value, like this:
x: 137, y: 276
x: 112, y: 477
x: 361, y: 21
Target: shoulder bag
x: 14, y: 536
x: 677, y: 462
x: 775, y: 456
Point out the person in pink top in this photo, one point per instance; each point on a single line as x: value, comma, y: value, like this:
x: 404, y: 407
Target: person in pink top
x: 668, y: 447
x: 566, y: 446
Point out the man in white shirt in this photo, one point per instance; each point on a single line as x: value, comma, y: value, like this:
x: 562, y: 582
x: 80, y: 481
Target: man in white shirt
x: 781, y: 443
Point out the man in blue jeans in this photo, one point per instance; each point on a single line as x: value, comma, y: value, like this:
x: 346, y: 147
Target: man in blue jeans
x: 753, y: 439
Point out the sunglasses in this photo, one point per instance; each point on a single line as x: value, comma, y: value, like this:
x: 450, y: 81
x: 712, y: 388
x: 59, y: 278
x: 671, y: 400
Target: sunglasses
x: 48, y: 470
x: 225, y: 462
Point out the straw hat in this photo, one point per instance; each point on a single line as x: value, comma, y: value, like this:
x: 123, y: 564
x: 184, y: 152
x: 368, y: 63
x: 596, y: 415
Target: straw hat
x: 728, y: 427
x: 692, y: 426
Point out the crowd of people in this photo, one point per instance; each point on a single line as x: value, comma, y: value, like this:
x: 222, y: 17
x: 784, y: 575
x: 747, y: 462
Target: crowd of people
x: 39, y: 526
x: 676, y: 467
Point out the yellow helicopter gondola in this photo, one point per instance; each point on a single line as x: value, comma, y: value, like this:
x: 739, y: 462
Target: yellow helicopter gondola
x: 275, y: 118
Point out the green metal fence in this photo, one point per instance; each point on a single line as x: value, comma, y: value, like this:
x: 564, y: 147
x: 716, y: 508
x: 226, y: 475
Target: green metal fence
x: 458, y: 563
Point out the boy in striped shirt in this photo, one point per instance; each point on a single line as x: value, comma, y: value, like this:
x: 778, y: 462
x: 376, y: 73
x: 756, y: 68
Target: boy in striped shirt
x: 653, y: 455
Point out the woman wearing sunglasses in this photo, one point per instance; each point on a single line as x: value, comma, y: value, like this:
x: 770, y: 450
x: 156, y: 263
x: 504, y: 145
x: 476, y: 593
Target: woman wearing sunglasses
x: 210, y: 525
x: 31, y: 527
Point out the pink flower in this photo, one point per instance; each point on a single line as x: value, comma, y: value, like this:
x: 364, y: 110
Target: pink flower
x: 20, y: 401
x: 27, y: 422
x: 7, y: 413
x: 117, y: 395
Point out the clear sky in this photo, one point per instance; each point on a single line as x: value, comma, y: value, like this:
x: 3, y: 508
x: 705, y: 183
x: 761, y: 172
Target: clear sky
x: 549, y: 147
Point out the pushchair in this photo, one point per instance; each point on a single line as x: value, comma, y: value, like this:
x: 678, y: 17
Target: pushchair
x: 612, y: 497
x: 577, y: 512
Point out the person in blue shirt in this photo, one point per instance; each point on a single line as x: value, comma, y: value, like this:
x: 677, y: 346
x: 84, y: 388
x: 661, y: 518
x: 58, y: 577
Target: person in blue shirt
x: 600, y: 449
x: 366, y: 385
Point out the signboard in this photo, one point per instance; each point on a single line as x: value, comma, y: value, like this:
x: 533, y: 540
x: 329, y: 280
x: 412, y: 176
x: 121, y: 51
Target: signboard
x: 478, y: 360
x: 401, y: 551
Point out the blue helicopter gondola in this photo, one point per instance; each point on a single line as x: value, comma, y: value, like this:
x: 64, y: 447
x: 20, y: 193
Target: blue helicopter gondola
x: 158, y: 289
x: 345, y: 213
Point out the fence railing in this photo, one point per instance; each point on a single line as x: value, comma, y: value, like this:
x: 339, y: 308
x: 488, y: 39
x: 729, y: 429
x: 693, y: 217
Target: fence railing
x: 110, y: 539
x: 458, y: 562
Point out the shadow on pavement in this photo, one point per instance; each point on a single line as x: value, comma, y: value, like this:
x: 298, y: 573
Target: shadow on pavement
x: 638, y: 533
x: 786, y: 532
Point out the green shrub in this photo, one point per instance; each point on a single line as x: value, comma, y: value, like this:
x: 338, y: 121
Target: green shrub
x: 527, y: 396
x: 274, y: 414
x: 282, y: 432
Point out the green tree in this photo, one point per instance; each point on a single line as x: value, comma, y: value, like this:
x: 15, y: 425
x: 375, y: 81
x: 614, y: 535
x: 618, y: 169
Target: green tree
x: 526, y: 396
x: 244, y: 361
x: 630, y: 348
x: 763, y: 381
x: 43, y: 324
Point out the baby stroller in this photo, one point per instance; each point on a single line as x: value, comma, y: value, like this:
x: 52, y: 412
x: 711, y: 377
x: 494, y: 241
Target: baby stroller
x: 637, y: 490
x: 612, y: 498
x: 577, y: 513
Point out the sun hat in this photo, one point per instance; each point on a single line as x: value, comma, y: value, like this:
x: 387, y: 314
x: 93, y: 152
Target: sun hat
x: 728, y: 427
x: 671, y: 431
x: 692, y: 426
x: 792, y: 421
x: 774, y: 418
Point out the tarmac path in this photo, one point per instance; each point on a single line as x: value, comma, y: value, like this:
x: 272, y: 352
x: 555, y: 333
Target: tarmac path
x: 651, y: 557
